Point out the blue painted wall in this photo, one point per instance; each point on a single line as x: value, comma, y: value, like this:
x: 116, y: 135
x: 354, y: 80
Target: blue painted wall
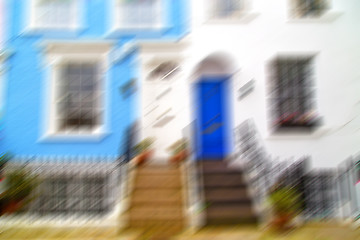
x: 26, y: 76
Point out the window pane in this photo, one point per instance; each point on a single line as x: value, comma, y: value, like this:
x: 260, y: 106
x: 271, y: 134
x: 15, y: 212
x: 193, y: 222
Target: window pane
x: 292, y: 93
x: 77, y: 101
x: 226, y: 8
x: 310, y: 8
x: 54, y: 13
x: 139, y: 13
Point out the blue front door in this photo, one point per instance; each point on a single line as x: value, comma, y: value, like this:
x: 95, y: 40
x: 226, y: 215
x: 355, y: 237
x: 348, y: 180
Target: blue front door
x: 211, y: 118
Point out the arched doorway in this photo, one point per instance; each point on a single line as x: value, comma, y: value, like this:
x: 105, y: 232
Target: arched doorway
x: 211, y: 108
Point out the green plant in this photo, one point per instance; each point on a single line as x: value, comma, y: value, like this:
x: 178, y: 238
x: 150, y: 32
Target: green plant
x: 20, y: 184
x: 286, y: 204
x: 178, y: 146
x: 4, y: 158
x: 285, y: 200
x: 18, y: 187
x: 143, y: 145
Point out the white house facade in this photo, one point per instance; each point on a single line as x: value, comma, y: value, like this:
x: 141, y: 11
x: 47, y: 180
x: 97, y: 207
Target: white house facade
x: 321, y: 42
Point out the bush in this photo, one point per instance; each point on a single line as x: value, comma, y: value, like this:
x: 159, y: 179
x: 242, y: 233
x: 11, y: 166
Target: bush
x: 285, y: 200
x: 18, y: 186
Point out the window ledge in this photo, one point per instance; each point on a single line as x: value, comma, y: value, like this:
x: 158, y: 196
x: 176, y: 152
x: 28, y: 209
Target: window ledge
x: 244, y: 18
x: 296, y: 134
x: 90, y: 137
x: 116, y: 30
x: 327, y: 17
x: 35, y: 30
x: 139, y: 27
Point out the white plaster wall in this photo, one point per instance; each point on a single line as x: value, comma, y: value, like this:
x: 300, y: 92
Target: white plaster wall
x: 337, y: 74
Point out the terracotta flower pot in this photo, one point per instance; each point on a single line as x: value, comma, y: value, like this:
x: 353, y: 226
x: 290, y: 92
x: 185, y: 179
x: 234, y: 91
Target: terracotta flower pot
x: 143, y: 157
x: 12, y: 207
x: 281, y: 221
x: 179, y: 157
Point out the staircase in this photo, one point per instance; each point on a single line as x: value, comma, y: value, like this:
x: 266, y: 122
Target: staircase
x: 226, y: 195
x: 156, y: 205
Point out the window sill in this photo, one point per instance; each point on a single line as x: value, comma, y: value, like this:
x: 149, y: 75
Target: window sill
x: 297, y: 133
x: 140, y: 27
x: 90, y: 137
x: 117, y: 31
x: 327, y: 17
x: 242, y: 19
x: 32, y: 30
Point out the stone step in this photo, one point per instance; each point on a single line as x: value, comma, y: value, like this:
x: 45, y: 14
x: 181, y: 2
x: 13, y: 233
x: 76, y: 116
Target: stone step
x: 148, y: 223
x: 223, y: 169
x: 156, y: 196
x: 156, y: 202
x: 218, y: 167
x: 160, y: 212
x: 223, y: 180
x: 158, y: 229
x: 157, y: 181
x: 230, y: 213
x: 231, y: 221
x: 225, y: 195
x: 158, y: 170
x: 212, y: 164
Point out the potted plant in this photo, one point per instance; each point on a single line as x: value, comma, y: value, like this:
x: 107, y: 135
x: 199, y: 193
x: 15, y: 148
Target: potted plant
x: 179, y: 151
x: 17, y: 188
x: 4, y: 158
x: 143, y: 151
x: 286, y: 205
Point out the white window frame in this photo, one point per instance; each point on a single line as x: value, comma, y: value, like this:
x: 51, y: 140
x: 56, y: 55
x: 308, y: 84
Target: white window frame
x: 2, y: 87
x: 3, y: 82
x: 57, y: 57
x: 117, y: 24
x: 75, y: 21
x: 245, y: 15
x: 320, y: 130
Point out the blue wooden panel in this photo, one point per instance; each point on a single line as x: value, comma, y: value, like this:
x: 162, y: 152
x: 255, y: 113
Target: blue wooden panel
x: 212, y: 120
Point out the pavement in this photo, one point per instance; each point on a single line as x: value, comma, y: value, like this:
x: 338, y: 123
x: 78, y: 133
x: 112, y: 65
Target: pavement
x: 315, y: 231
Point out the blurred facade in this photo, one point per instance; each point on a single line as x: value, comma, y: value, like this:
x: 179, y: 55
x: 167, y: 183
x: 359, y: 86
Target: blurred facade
x: 276, y: 77
x: 2, y: 58
x: 74, y: 66
x: 289, y: 67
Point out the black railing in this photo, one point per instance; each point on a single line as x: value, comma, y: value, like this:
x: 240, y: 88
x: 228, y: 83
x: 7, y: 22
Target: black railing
x: 263, y: 172
x: 70, y: 188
